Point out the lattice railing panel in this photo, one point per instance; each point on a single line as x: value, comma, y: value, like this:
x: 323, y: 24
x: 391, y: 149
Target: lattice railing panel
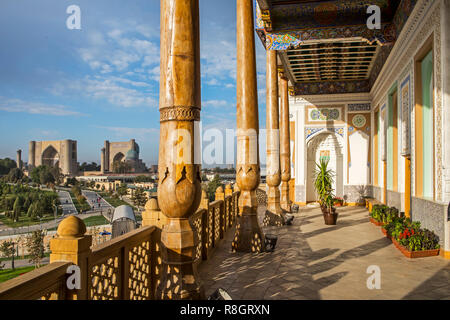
x: 139, y: 280
x: 210, y: 227
x: 216, y: 224
x: 105, y: 280
x: 197, y: 223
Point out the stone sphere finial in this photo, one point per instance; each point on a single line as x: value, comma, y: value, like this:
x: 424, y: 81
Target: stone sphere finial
x: 152, y: 204
x: 71, y: 227
x: 219, y: 189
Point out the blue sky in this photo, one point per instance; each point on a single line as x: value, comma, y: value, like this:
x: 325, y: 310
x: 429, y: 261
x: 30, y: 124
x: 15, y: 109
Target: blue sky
x: 102, y: 82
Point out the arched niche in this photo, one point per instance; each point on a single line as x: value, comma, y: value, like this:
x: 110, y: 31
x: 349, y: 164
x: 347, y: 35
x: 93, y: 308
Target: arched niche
x: 50, y: 157
x: 118, y: 157
x: 359, y: 170
x: 325, y: 144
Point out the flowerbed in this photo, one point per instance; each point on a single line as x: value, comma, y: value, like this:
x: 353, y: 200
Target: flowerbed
x: 411, y: 239
x: 406, y: 235
x: 375, y: 222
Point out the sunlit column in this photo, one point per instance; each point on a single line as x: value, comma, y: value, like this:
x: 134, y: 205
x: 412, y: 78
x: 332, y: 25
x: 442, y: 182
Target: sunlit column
x: 248, y: 236
x: 179, y: 188
x: 274, y: 213
x: 285, y: 148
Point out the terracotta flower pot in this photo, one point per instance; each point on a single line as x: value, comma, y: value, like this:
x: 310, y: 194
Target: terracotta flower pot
x: 415, y: 254
x: 330, y: 218
x: 375, y: 222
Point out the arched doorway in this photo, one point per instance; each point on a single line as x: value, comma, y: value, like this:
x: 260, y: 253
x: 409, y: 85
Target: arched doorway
x: 118, y: 157
x: 50, y: 157
x: 325, y: 145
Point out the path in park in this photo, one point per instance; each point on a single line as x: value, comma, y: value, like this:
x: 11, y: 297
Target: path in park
x: 96, y: 201
x: 23, y: 263
x: 68, y: 209
x: 66, y: 203
x: 45, y: 226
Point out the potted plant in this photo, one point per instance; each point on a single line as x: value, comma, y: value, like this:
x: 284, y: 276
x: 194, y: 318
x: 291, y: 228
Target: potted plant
x: 323, y: 184
x: 338, y: 202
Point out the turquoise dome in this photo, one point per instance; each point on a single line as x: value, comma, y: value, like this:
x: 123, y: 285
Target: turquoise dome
x: 132, y: 155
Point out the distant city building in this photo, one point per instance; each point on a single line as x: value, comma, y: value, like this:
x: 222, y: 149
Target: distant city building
x: 121, y: 157
x: 123, y: 221
x: 62, y: 153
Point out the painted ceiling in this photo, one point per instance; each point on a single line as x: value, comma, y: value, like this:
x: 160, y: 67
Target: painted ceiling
x: 326, y: 45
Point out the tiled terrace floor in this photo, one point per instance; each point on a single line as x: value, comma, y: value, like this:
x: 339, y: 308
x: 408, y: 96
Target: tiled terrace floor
x: 315, y: 261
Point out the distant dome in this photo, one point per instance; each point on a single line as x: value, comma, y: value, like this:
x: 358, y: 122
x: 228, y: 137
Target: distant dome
x: 132, y: 155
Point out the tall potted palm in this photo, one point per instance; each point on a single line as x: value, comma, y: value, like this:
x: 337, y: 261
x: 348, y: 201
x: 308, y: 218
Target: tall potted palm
x: 323, y: 184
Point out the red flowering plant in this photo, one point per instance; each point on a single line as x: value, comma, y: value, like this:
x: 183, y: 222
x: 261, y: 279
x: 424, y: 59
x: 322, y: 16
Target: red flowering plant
x: 338, y: 201
x: 403, y: 229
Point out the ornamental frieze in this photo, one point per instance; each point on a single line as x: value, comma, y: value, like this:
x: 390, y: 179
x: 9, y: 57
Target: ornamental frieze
x: 180, y: 113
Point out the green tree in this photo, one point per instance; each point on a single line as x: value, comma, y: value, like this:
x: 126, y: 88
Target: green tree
x: 121, y: 167
x: 212, y: 187
x: 76, y: 190
x: 122, y: 190
x: 17, y: 208
x: 6, y: 165
x: 140, y: 197
x: 45, y: 177
x: 31, y: 209
x: 15, y: 175
x: 35, y: 246
x: 8, y: 250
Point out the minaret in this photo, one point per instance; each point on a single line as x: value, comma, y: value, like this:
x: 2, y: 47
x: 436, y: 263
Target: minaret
x: 19, y: 159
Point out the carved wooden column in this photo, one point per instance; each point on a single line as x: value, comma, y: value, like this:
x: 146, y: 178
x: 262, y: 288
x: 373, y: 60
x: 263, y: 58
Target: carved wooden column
x: 248, y: 236
x: 285, y: 140
x: 179, y: 189
x: 274, y: 213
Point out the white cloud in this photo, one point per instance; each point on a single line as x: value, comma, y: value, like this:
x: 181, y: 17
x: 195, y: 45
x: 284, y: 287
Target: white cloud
x: 17, y: 105
x: 119, y: 49
x: 118, y: 91
x: 215, y: 103
x: 130, y: 132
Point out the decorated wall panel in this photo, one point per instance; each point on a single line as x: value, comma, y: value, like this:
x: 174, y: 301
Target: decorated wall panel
x: 324, y: 114
x: 405, y: 102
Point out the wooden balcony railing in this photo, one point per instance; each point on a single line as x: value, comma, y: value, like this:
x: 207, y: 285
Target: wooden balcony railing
x: 125, y: 268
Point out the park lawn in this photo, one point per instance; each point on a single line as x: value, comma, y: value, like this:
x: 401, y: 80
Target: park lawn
x: 9, y: 274
x: 24, y: 221
x: 117, y: 202
x: 47, y: 254
x: 95, y: 221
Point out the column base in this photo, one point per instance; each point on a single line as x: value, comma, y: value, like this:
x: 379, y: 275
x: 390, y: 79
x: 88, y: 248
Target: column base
x: 178, y: 278
x: 248, y: 236
x: 274, y: 219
